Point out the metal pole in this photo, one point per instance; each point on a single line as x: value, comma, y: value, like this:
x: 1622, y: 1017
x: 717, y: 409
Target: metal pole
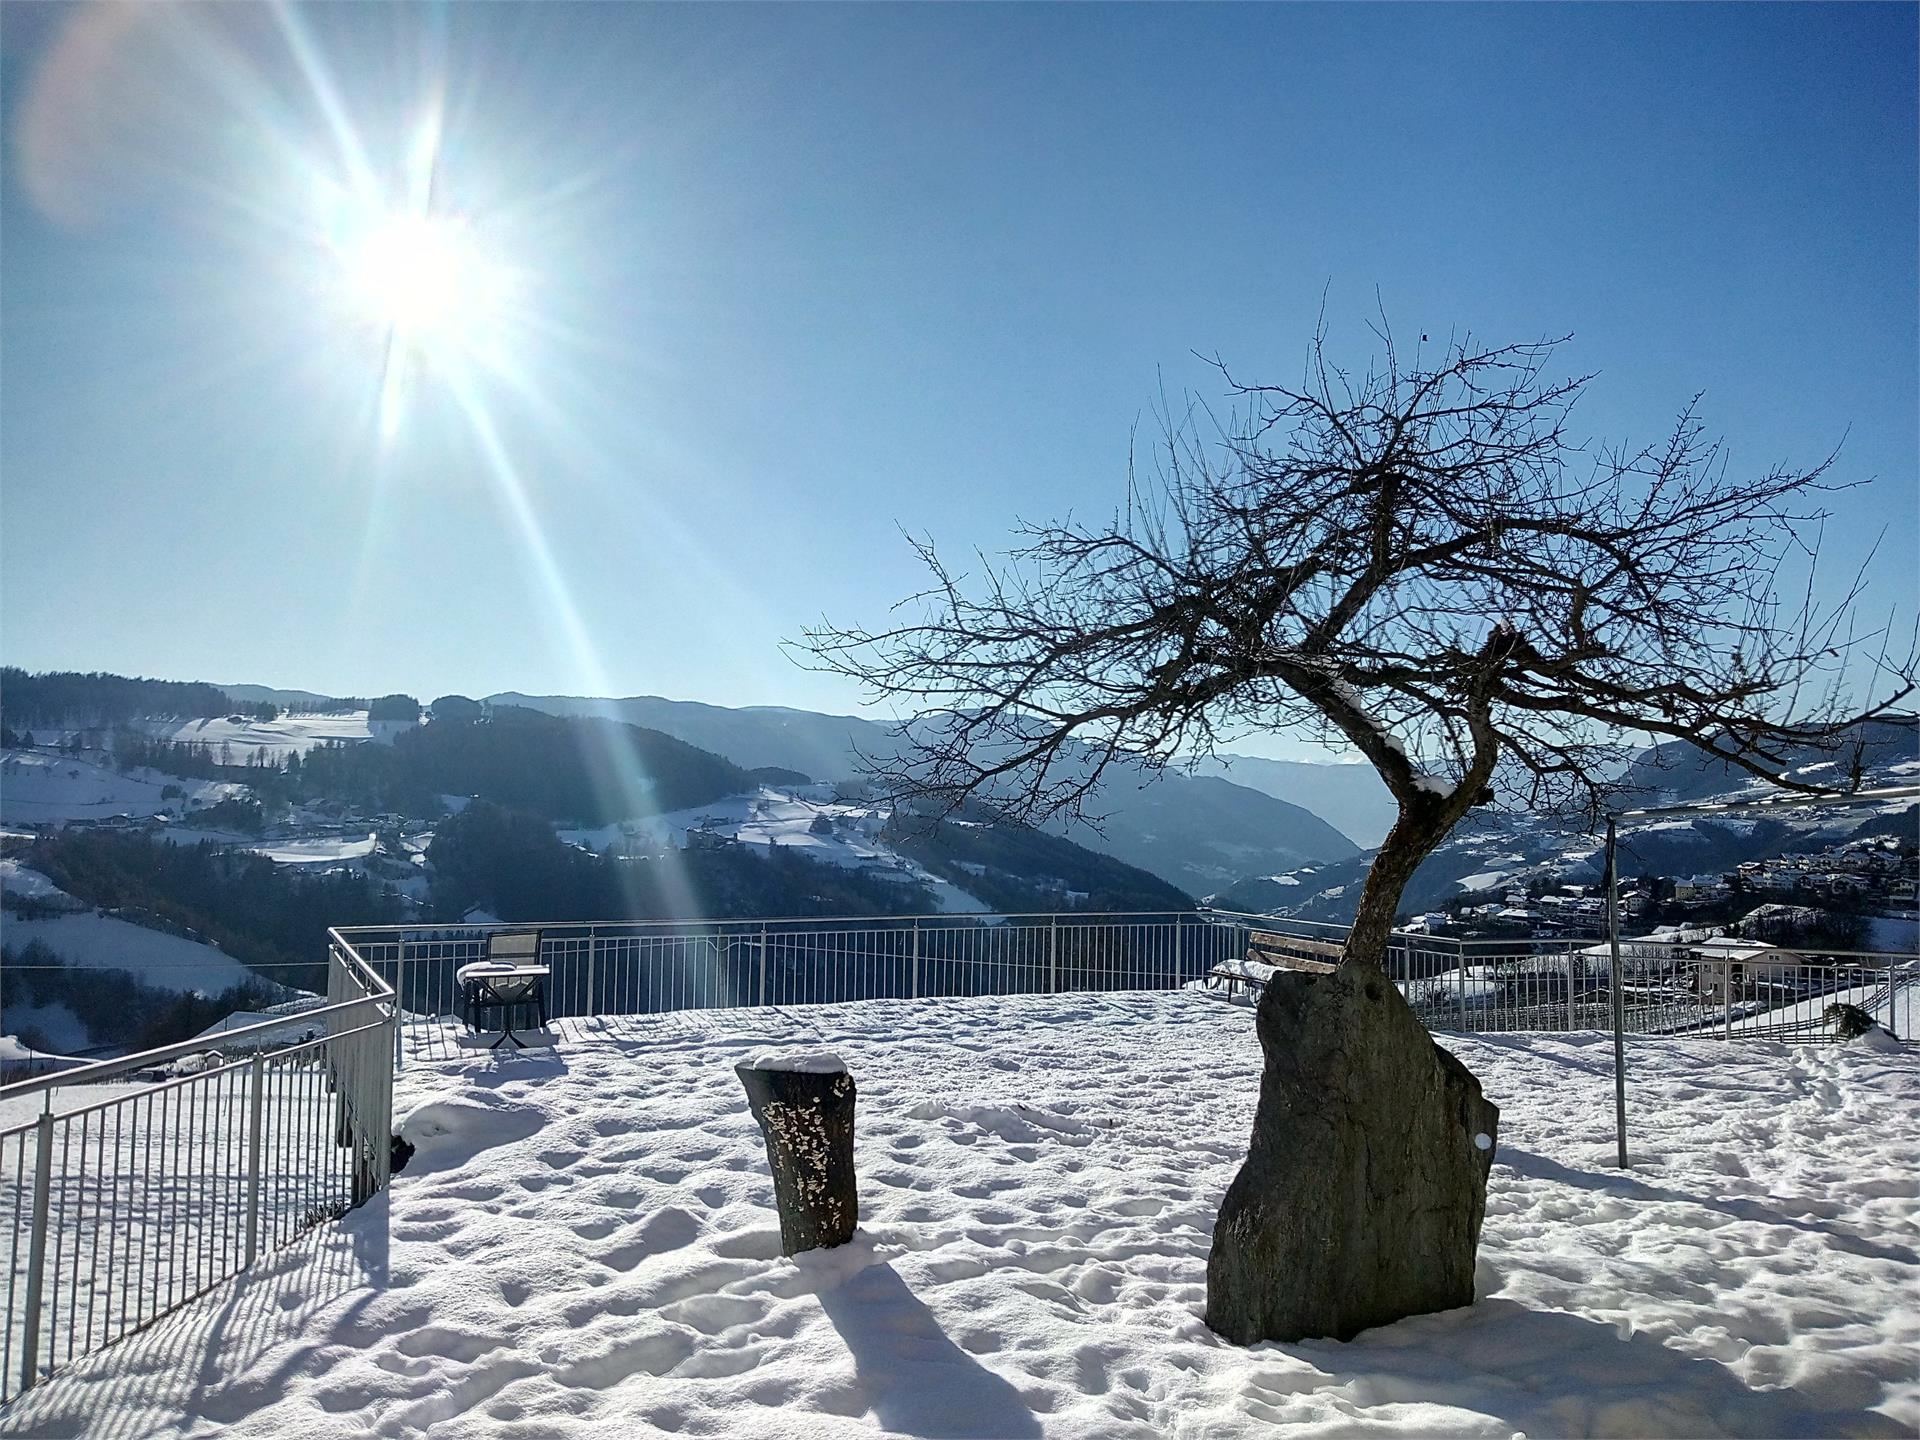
x: 914, y: 991
x: 256, y: 1104
x: 1179, y: 924
x: 1619, y: 999
x: 37, y: 1246
x: 1726, y: 998
x: 763, y: 964
x: 593, y: 967
x: 399, y: 995
x: 1053, y: 956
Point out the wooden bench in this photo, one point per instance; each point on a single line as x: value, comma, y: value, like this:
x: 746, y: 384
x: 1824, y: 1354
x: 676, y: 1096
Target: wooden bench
x: 1268, y: 952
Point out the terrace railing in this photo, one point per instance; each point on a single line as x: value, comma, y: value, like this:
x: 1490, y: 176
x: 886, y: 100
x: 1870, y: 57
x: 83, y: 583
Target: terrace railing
x: 632, y: 968
x: 129, y: 1187
x: 1668, y: 987
x: 636, y: 968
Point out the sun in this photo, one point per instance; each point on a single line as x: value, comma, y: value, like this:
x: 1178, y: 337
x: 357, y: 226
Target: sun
x: 422, y: 279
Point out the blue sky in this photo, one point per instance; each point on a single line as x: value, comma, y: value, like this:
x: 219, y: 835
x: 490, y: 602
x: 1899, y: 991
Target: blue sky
x: 787, y: 280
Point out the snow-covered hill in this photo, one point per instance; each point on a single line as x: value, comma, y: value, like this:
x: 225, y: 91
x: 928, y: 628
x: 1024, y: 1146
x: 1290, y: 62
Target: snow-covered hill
x: 584, y: 1245
x: 288, y: 735
x: 809, y: 823
x: 1492, y: 850
x: 91, y: 941
x: 41, y: 787
x: 1198, y: 832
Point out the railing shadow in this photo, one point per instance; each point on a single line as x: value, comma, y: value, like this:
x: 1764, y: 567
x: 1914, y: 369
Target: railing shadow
x: 179, y: 1362
x: 1539, y: 1167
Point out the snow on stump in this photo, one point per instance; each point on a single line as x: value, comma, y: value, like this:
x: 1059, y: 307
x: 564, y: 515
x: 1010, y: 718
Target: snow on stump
x: 803, y: 1101
x: 1364, y: 1186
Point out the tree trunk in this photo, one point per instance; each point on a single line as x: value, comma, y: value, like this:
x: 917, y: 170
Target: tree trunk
x: 1413, y: 837
x: 805, y: 1110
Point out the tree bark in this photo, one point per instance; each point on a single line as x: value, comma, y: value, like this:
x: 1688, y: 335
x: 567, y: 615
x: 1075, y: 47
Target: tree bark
x: 806, y: 1117
x: 1413, y: 837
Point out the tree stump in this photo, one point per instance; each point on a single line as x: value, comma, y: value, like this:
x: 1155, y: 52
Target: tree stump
x: 804, y: 1104
x: 1364, y: 1186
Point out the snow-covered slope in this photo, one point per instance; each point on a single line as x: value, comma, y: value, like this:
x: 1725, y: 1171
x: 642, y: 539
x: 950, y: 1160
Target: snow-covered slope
x: 290, y: 734
x: 849, y: 836
x: 1195, y: 831
x: 98, y: 942
x: 584, y: 1245
x: 40, y: 787
x: 21, y: 882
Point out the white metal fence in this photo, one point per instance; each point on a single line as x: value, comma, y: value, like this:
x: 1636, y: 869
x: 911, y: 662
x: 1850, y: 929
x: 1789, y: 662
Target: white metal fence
x: 133, y: 1190
x: 636, y: 968
x: 605, y: 968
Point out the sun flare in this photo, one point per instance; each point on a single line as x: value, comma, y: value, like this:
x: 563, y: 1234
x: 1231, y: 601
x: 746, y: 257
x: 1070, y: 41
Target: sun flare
x: 421, y: 277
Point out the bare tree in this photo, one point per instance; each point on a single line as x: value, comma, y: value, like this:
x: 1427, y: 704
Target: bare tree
x: 1419, y: 561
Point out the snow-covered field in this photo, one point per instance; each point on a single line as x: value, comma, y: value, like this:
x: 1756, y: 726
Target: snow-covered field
x: 38, y: 787
x: 584, y: 1245
x: 290, y: 734
x: 98, y: 942
x: 325, y: 850
x: 1898, y: 1007
x: 27, y: 884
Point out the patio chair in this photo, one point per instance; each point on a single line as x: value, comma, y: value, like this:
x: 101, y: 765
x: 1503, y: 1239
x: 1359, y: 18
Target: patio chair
x: 510, y: 976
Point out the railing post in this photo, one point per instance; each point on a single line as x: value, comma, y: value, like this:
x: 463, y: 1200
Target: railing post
x: 256, y: 1108
x: 914, y: 989
x: 1572, y: 957
x: 593, y: 968
x: 1179, y: 924
x: 1053, y: 955
x: 37, y: 1246
x: 383, y: 1140
x: 1726, y: 1003
x: 763, y: 963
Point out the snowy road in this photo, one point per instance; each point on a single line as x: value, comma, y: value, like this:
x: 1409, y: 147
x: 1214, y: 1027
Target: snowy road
x: 584, y: 1245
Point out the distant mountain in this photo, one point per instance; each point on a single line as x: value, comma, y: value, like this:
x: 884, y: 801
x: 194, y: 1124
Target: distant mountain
x: 1679, y: 771
x: 285, y: 699
x: 1491, y: 850
x: 1351, y: 798
x: 1201, y: 832
x: 821, y: 746
x: 1194, y: 832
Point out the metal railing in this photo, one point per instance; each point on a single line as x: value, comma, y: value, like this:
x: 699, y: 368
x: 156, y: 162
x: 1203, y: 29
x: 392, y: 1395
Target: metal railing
x: 632, y: 968
x: 1668, y: 987
x: 645, y: 967
x: 143, y: 1182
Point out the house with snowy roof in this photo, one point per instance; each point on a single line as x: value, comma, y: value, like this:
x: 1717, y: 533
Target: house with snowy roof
x: 1722, y: 967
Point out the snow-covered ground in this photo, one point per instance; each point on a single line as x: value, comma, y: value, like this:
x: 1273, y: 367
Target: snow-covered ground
x: 584, y: 1245
x: 288, y: 735
x: 29, y: 884
x: 98, y: 942
x: 325, y: 850
x: 38, y: 787
x: 1900, y: 1006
